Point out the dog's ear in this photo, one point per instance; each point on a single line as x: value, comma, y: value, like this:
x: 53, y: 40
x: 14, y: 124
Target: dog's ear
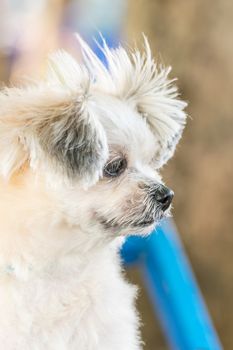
x: 12, y: 152
x: 53, y: 123
x: 135, y: 77
x: 73, y: 137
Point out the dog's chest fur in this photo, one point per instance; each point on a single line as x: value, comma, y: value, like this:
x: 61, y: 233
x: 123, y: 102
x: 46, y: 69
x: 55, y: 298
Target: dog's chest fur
x: 81, y: 305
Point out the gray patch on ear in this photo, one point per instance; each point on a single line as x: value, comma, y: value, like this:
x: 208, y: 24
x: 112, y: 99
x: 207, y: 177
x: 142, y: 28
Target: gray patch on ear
x: 76, y: 142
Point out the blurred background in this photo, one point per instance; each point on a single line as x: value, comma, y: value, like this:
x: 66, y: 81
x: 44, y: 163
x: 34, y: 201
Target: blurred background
x: 195, y: 37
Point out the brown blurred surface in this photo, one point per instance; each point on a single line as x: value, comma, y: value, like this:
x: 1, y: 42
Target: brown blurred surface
x: 151, y: 331
x: 195, y: 37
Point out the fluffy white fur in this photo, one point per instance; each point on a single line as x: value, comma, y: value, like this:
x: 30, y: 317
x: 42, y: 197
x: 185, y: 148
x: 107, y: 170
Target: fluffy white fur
x: 62, y: 220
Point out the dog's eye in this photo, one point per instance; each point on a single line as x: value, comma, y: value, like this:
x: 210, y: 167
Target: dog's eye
x: 115, y: 167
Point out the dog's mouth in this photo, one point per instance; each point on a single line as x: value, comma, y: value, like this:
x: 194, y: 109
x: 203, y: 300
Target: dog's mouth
x: 144, y: 223
x: 138, y: 223
x: 148, y: 221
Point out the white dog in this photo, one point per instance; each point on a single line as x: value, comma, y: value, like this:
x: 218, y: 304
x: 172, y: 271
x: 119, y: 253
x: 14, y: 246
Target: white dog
x: 79, y: 159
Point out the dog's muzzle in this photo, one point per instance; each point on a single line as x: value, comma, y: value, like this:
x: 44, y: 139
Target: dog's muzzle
x: 153, y: 209
x: 159, y: 198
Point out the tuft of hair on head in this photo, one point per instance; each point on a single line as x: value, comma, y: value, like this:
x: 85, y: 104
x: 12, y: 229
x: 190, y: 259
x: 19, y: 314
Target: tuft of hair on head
x: 135, y: 77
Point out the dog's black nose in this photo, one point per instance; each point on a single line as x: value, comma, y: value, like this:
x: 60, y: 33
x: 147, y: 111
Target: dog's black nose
x: 164, y: 196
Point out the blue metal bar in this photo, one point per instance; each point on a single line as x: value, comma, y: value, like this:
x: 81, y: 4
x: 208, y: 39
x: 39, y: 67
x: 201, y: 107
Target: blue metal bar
x: 172, y: 288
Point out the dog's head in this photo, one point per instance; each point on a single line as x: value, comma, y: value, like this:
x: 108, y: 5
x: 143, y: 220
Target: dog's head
x: 97, y: 136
